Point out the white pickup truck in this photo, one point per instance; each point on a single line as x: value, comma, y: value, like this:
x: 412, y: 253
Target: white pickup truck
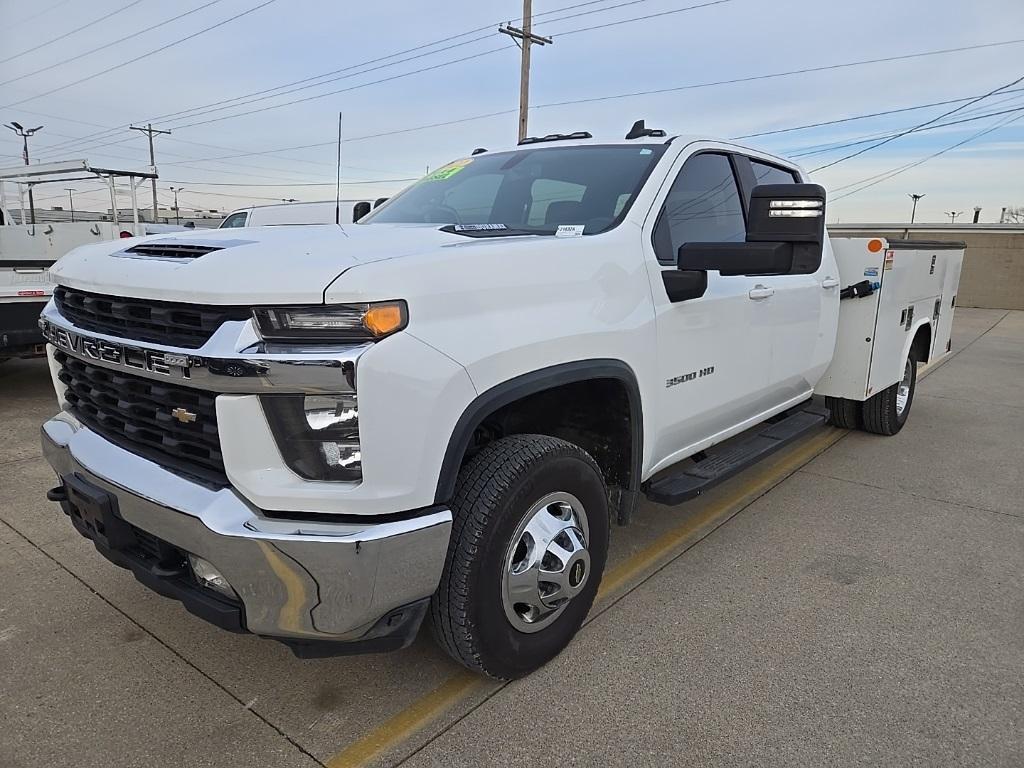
x: 322, y: 434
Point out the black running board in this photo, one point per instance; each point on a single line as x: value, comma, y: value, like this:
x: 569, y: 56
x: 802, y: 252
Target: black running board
x: 698, y: 476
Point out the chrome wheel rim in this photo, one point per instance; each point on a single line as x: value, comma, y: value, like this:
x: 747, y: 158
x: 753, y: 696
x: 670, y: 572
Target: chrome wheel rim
x: 547, y: 563
x: 903, y: 389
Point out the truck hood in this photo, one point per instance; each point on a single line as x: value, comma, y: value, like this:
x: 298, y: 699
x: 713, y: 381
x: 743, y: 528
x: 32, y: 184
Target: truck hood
x: 257, y: 265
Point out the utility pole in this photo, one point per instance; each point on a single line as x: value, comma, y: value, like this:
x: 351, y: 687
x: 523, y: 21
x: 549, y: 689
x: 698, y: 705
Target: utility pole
x: 176, y: 190
x: 524, y: 38
x: 913, y: 211
x: 25, y: 133
x: 71, y: 200
x: 150, y: 131
x: 952, y: 215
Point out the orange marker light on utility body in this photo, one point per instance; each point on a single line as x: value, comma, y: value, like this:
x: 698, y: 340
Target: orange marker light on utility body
x: 875, y: 245
x: 388, y: 317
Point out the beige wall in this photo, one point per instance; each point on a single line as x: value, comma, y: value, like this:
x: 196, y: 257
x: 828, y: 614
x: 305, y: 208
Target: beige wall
x: 993, y: 274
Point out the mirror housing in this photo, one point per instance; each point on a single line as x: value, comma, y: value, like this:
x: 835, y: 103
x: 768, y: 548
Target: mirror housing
x: 359, y: 210
x: 785, y: 235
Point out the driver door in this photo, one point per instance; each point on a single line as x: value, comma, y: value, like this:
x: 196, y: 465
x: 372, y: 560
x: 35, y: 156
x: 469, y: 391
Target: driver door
x: 714, y: 354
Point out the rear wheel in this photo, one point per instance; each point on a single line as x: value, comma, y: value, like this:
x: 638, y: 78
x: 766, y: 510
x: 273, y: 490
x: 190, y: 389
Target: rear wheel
x: 887, y: 412
x: 528, y: 548
x: 843, y: 413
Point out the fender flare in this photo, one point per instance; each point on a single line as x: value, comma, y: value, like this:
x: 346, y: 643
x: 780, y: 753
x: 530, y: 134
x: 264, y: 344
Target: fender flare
x: 531, y: 383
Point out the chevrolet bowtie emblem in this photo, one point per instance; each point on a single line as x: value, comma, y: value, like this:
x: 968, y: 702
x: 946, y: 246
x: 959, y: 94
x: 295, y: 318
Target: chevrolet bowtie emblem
x: 183, y: 415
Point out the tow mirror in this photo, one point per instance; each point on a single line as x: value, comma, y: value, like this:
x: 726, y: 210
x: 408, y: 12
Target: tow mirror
x: 359, y: 210
x: 785, y: 235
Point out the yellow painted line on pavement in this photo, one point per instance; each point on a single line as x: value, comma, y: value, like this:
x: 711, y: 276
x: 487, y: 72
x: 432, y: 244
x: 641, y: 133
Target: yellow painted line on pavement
x: 462, y: 685
x: 755, y: 485
x: 413, y: 718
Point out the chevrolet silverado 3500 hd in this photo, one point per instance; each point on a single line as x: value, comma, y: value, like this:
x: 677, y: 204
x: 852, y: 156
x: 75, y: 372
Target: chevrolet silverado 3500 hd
x: 322, y: 434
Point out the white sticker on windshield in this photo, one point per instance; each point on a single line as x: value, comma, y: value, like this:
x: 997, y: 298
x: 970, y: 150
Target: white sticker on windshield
x: 569, y: 230
x: 479, y: 227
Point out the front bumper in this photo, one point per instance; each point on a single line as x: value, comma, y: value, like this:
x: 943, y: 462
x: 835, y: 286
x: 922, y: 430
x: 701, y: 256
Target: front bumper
x: 304, y: 581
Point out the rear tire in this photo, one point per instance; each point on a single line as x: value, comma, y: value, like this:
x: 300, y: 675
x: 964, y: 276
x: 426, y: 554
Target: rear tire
x: 507, y: 498
x: 887, y: 412
x: 843, y: 413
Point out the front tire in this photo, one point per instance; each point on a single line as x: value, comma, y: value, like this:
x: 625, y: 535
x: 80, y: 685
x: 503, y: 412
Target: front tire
x: 887, y: 412
x: 528, y: 548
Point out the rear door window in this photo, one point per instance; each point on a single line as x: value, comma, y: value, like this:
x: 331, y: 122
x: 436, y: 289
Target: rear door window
x: 770, y: 174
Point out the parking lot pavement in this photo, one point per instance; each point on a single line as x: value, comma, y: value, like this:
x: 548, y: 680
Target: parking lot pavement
x: 860, y: 607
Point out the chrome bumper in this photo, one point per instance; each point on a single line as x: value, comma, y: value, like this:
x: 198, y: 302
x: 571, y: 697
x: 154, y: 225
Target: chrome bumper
x: 300, y: 580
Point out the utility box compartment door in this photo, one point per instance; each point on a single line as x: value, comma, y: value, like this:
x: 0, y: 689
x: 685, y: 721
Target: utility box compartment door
x: 915, y: 285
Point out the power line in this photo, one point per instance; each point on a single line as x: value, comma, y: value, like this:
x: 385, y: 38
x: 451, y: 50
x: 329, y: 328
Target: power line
x: 429, y: 68
x: 37, y: 15
x: 239, y: 100
x: 752, y: 78
x: 886, y: 175
x: 148, y: 53
x: 860, y: 117
x: 799, y: 154
x: 74, y: 31
x: 773, y: 75
x: 105, y: 46
x: 413, y: 72
x: 642, y: 18
x: 916, y: 127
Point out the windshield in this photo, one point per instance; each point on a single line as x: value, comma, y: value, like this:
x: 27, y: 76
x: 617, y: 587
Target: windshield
x: 532, y: 190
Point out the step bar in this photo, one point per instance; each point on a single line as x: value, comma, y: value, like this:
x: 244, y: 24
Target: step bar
x: 697, y: 476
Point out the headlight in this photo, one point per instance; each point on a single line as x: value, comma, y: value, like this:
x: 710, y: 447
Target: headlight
x: 340, y: 322
x: 318, y: 435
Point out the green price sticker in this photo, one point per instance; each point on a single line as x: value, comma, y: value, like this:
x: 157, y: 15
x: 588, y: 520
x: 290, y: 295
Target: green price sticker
x: 447, y: 171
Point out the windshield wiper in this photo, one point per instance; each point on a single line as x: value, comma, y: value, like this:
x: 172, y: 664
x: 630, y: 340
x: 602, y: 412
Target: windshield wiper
x: 492, y: 230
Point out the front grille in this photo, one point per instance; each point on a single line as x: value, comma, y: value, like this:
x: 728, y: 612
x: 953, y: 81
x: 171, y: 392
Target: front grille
x: 135, y: 413
x: 159, y: 322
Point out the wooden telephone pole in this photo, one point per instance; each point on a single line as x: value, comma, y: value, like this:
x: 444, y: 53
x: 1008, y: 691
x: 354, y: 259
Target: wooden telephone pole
x: 524, y: 39
x: 150, y: 131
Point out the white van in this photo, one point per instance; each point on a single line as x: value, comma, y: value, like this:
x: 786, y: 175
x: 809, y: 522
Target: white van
x: 283, y: 214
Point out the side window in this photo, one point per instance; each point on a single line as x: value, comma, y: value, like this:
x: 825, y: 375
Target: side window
x: 234, y: 220
x: 544, y: 192
x: 703, y: 206
x: 770, y: 174
x: 474, y: 198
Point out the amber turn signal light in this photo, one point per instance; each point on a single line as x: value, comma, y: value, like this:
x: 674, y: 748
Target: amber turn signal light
x: 385, y: 318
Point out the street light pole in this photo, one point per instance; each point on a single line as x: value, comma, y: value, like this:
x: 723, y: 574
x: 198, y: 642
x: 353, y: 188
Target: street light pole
x: 71, y: 200
x: 913, y: 211
x: 177, y: 212
x: 25, y: 133
x: 952, y: 215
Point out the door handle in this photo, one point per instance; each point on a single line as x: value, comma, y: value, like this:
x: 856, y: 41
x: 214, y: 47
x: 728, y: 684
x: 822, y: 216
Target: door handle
x: 759, y: 292
x: 829, y: 282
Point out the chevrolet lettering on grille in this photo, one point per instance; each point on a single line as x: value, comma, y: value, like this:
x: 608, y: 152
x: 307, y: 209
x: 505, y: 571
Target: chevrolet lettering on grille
x: 137, y: 358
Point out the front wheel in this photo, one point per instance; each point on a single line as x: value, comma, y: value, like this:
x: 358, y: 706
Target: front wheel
x: 528, y: 548
x: 887, y: 412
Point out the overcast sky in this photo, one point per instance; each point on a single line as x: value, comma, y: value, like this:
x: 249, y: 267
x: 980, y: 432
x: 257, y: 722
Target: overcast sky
x: 294, y: 40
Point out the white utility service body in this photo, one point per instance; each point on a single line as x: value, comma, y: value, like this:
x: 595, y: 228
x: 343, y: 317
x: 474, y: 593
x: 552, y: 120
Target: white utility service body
x: 317, y: 434
x: 27, y: 250
x: 917, y: 283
